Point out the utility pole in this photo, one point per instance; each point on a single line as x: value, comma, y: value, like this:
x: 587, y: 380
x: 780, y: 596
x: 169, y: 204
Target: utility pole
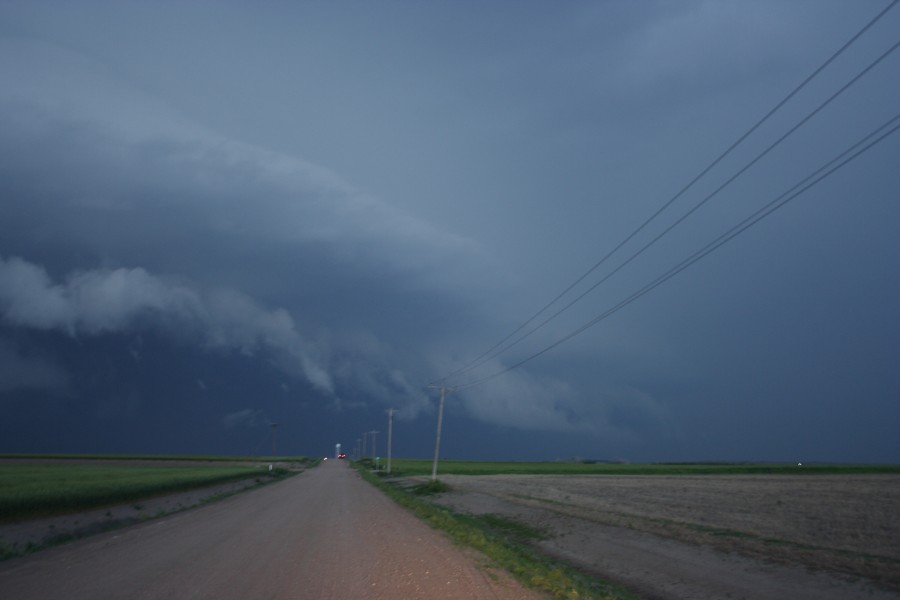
x: 437, y: 437
x: 358, y: 450
x: 274, y: 439
x: 374, y: 433
x: 365, y: 435
x: 390, y: 413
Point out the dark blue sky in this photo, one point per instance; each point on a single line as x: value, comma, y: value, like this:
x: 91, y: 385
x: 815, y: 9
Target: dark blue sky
x: 218, y: 215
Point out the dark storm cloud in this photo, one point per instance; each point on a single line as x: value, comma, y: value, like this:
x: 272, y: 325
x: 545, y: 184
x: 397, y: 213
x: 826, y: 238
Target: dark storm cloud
x: 339, y: 204
x: 113, y: 182
x: 196, y: 220
x: 19, y: 371
x: 124, y: 300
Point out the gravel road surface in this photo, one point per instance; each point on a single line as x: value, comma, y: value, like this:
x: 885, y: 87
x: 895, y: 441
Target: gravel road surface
x: 323, y: 534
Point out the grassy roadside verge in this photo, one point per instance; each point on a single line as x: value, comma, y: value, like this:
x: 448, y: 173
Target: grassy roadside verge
x: 504, y: 542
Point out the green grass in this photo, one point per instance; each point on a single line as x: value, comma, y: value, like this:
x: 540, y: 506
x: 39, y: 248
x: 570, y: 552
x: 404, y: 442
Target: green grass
x: 430, y: 489
x: 510, y: 528
x: 412, y: 467
x: 168, y: 457
x: 505, y: 543
x: 30, y: 490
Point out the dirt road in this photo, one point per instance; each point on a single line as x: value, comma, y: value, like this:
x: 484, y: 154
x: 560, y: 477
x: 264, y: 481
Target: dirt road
x: 323, y: 534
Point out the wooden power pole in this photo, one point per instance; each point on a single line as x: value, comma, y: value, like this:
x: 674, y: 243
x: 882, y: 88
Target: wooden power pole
x: 374, y: 433
x: 390, y: 414
x: 437, y: 437
x: 274, y: 440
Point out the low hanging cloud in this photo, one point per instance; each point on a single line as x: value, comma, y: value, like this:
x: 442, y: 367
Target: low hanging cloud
x: 521, y: 400
x: 122, y: 300
x: 116, y: 154
x: 517, y: 399
x: 248, y: 417
x: 123, y: 180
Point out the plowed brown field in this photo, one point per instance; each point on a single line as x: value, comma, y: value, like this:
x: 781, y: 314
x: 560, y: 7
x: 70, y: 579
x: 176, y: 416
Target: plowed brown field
x: 750, y: 536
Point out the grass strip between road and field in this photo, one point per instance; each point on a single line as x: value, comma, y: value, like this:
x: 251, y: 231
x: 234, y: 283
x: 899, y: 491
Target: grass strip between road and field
x: 504, y: 541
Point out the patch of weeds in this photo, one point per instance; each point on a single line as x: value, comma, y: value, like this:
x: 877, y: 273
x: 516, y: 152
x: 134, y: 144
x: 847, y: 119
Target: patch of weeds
x: 366, y: 463
x: 730, y: 533
x: 707, y: 530
x: 59, y: 538
x: 214, y: 498
x: 510, y: 528
x: 430, y: 489
x: 541, y: 500
x: 7, y: 552
x: 14, y: 551
x: 776, y: 542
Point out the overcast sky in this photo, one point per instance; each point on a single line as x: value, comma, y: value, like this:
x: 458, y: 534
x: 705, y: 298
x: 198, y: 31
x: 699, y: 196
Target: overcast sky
x: 215, y: 216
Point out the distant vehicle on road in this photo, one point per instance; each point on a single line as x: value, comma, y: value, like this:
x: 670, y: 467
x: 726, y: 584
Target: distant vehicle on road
x: 342, y: 455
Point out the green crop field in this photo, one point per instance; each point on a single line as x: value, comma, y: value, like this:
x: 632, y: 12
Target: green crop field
x: 37, y: 489
x: 166, y: 457
x: 412, y: 467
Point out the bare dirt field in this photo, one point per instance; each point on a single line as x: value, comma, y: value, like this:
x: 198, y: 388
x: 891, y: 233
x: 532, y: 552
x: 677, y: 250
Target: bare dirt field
x: 741, y: 536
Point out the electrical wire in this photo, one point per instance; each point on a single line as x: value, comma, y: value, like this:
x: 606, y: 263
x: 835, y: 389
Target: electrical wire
x: 484, y: 357
x: 489, y: 354
x: 689, y: 212
x: 795, y: 191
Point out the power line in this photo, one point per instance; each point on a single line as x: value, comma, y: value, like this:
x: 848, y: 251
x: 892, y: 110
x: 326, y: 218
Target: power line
x: 796, y: 190
x: 696, y: 207
x: 490, y: 354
